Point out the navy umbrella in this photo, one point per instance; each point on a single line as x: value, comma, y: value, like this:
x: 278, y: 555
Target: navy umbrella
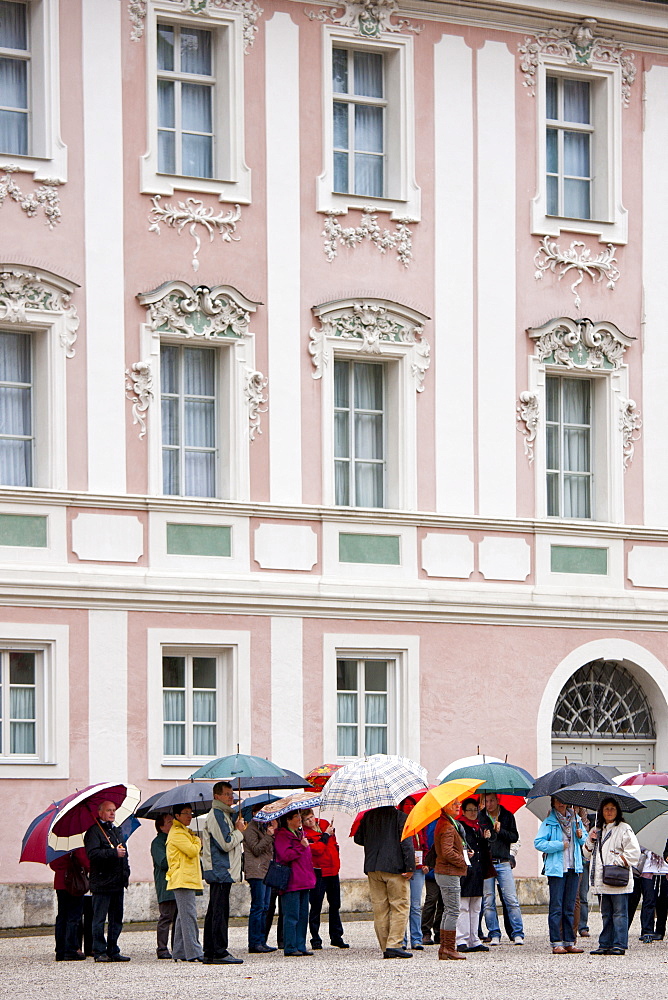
x: 538, y: 796
x: 198, y: 794
x: 256, y: 800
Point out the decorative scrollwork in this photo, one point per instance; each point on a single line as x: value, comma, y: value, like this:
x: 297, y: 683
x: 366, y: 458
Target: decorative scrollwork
x: 248, y: 8
x: 192, y: 213
x: 254, y: 384
x: 369, y: 17
x: 580, y: 343
x: 23, y: 292
x: 137, y: 12
x: 139, y: 389
x: 527, y: 414
x: 550, y: 257
x: 210, y: 313
x: 580, y: 45
x: 45, y: 196
x: 400, y: 240
x: 630, y: 423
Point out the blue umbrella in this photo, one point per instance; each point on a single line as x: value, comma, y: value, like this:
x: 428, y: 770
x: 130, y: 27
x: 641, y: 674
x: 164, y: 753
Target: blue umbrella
x: 238, y: 768
x: 256, y: 800
x: 198, y: 794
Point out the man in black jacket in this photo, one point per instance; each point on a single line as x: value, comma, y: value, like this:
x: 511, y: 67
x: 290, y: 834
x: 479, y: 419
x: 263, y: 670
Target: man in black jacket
x: 389, y: 862
x: 109, y: 875
x: 500, y: 830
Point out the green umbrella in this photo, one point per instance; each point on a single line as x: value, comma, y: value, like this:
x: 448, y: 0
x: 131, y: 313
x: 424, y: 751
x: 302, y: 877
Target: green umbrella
x: 237, y: 767
x: 502, y: 779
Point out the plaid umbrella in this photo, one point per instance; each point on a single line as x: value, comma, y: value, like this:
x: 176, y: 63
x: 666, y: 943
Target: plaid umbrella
x: 372, y: 782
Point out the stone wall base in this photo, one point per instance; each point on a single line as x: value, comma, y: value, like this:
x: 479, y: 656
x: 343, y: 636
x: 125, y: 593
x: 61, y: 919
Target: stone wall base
x: 34, y: 905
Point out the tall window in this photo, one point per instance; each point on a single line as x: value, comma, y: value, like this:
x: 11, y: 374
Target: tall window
x: 359, y: 122
x: 189, y: 704
x: 18, y: 703
x: 362, y: 707
x: 359, y: 446
x: 14, y: 79
x: 569, y: 148
x: 189, y: 446
x: 569, y: 446
x: 16, y: 423
x: 185, y: 101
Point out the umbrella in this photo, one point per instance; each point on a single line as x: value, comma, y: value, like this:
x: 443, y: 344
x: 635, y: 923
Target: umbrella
x: 657, y: 778
x: 652, y: 820
x: 500, y: 778
x: 147, y: 806
x: 434, y: 800
x: 479, y: 758
x: 590, y: 794
x: 538, y: 796
x: 80, y: 812
x: 290, y: 780
x: 238, y: 767
x: 198, y: 794
x: 256, y: 800
x: 319, y: 776
x: 300, y: 800
x: 34, y: 846
x: 372, y: 782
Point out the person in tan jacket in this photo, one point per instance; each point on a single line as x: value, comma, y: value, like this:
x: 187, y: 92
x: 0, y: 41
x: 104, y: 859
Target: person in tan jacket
x: 450, y: 866
x: 184, y: 878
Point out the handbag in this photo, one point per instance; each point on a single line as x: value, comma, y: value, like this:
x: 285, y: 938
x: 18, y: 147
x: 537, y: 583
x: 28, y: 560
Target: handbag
x: 76, y: 880
x: 616, y: 876
x: 277, y: 876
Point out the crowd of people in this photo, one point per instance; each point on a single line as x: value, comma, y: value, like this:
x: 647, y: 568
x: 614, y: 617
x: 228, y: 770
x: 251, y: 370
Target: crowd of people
x: 436, y: 887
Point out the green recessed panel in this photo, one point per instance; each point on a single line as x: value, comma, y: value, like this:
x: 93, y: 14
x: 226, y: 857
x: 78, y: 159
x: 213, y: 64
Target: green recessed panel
x: 578, y: 559
x: 22, y: 529
x: 198, y: 540
x: 381, y: 549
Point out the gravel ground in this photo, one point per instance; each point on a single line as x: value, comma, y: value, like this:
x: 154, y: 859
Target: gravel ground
x: 505, y: 973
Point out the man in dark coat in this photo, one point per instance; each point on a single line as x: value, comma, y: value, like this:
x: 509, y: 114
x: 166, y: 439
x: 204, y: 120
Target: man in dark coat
x: 389, y: 862
x: 109, y: 876
x: 500, y: 830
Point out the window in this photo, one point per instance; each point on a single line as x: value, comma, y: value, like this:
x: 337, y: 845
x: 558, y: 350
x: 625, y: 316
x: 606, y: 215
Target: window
x: 16, y: 423
x: 19, y: 703
x: 368, y: 140
x: 188, y: 395
x: 190, y: 711
x: 569, y: 136
x: 568, y: 426
x: 359, y: 112
x: 362, y: 707
x: 195, y: 82
x: 359, y: 448
x: 185, y: 101
x: 14, y: 77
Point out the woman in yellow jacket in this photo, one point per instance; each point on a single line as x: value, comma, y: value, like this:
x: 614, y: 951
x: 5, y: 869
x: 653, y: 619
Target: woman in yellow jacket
x: 184, y: 878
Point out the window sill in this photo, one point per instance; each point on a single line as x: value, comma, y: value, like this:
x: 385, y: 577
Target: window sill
x: 340, y: 204
x: 234, y: 192
x: 43, y: 168
x: 606, y: 232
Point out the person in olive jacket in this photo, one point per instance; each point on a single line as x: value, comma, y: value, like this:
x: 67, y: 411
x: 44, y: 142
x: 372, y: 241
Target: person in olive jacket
x: 166, y: 901
x: 109, y: 877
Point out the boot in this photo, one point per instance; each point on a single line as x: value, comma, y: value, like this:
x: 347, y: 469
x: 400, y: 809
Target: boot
x: 449, y: 947
x: 442, y: 945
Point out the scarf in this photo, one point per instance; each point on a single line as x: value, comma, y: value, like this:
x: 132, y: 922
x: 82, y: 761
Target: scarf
x: 472, y: 823
x: 566, y: 823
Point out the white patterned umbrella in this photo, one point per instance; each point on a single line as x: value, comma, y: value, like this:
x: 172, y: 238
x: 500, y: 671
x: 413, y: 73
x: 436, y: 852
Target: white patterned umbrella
x: 372, y: 782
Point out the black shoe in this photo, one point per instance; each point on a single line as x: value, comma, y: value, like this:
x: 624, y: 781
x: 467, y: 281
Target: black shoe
x: 197, y: 958
x: 294, y: 954
x: 617, y: 951
x: 316, y: 945
x: 223, y: 960
x: 118, y: 958
x: 479, y: 947
x: 600, y: 951
x: 397, y: 953
x: 417, y: 947
x: 462, y: 947
x: 427, y: 939
x: 263, y: 949
x: 76, y: 957
x: 340, y: 944
x: 164, y: 954
x: 306, y: 953
x: 647, y: 938
x: 101, y: 958
x: 657, y: 937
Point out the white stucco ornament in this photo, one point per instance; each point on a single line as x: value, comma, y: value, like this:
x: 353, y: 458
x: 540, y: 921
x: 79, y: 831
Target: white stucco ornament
x: 254, y: 384
x: 370, y: 18
x: 401, y: 239
x: 139, y: 389
x: 192, y: 213
x: 580, y: 344
x: 630, y: 423
x: 579, y: 45
x: 248, y: 8
x: 527, y: 416
x: 45, y: 196
x: 26, y: 295
x: 579, y: 259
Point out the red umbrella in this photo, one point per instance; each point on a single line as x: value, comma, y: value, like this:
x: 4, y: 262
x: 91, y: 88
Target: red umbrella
x: 34, y: 846
x: 80, y: 813
x: 319, y: 776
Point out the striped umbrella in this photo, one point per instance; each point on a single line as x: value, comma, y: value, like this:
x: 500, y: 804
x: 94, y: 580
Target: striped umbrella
x: 372, y: 782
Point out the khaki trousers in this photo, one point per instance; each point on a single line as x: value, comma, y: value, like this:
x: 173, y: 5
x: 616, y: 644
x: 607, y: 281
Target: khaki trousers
x: 391, y: 901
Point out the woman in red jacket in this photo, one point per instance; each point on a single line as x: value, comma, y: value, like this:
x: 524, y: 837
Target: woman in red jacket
x: 326, y: 864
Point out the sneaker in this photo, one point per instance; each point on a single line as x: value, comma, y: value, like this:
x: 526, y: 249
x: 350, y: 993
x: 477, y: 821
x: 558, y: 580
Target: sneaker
x: 494, y: 941
x: 646, y: 938
x: 518, y: 940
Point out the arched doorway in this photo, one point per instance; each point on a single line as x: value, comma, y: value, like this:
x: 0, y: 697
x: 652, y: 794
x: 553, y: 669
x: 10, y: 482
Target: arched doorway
x: 602, y: 716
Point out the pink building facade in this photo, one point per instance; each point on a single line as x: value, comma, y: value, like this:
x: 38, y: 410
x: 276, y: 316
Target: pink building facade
x: 332, y: 388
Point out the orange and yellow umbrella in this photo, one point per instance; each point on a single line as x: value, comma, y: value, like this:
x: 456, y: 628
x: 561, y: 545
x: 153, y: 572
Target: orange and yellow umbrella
x: 432, y: 802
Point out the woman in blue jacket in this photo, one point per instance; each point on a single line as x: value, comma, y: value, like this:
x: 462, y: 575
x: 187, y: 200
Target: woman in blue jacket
x: 560, y: 838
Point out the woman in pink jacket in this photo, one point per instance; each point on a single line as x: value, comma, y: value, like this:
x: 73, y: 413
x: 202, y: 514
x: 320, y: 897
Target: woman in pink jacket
x: 292, y: 848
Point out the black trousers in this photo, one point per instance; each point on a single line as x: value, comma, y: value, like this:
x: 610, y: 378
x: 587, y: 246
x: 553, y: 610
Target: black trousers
x: 107, y: 906
x: 330, y: 886
x: 217, y: 920
x: 647, y: 889
x: 68, y: 923
x: 166, y: 922
x: 661, y: 906
x: 432, y: 909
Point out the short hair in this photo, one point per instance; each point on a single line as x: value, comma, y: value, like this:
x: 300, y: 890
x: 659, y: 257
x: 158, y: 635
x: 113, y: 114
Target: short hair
x: 283, y: 821
x: 107, y: 802
x: 306, y: 813
x: 159, y: 821
x: 218, y: 787
x: 177, y: 810
x: 600, y: 822
x: 469, y: 802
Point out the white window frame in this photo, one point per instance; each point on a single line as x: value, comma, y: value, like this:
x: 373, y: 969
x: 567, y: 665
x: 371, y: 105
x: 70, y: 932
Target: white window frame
x: 360, y: 693
x: 609, y: 221
x: 403, y: 655
x: 47, y: 157
x: 234, y: 693
x: 232, y: 177
x: 352, y: 411
x: 51, y: 643
x: 561, y: 424
x: 236, y: 357
x: 402, y: 194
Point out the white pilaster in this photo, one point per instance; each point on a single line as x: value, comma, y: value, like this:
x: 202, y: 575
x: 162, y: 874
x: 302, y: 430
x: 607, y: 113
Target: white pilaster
x: 108, y: 695
x: 287, y: 702
x: 655, y: 357
x: 283, y: 258
x: 453, y: 267
x: 102, y: 24
x: 497, y: 436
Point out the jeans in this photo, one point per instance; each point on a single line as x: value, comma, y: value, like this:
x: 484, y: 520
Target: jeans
x: 330, y: 886
x: 615, y: 916
x: 563, y: 890
x: 107, y: 906
x: 257, y: 917
x: 68, y: 923
x: 415, y: 915
x: 217, y: 920
x: 295, y: 920
x: 504, y: 877
x: 584, y: 898
x: 451, y: 891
